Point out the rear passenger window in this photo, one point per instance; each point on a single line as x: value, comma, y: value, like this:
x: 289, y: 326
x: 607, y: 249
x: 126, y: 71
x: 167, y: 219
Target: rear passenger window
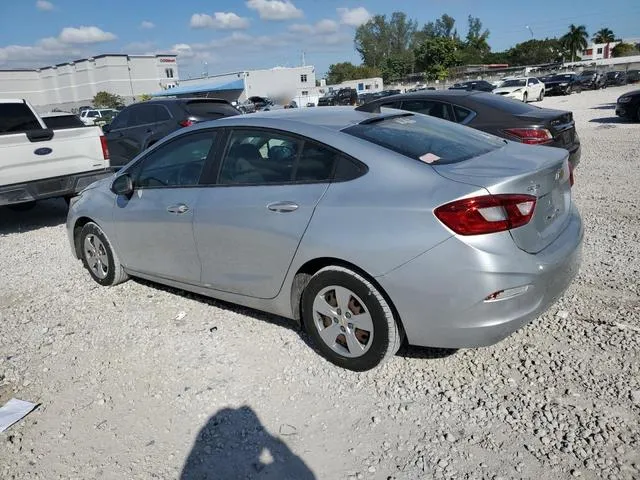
x: 428, y: 107
x: 17, y: 117
x: 315, y: 163
x: 348, y: 169
x: 461, y: 113
x: 391, y: 104
x: 121, y: 119
x: 160, y: 113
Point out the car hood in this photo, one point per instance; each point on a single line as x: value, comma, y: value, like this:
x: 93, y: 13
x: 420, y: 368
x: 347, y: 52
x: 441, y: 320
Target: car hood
x: 632, y: 93
x: 507, y: 89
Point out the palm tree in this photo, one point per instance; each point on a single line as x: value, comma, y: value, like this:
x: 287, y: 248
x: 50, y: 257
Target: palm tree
x: 575, y: 39
x: 604, y: 35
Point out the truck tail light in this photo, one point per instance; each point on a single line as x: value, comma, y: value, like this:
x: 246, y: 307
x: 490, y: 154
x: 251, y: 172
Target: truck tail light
x: 105, y: 148
x: 487, y: 213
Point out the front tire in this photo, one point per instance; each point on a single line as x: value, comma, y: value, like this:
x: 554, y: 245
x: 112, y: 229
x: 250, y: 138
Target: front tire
x: 541, y: 96
x: 349, y: 320
x: 524, y: 97
x: 99, y: 258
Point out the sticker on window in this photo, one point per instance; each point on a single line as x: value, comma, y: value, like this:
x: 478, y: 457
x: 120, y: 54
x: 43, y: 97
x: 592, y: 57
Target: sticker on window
x: 404, y: 121
x: 429, y: 158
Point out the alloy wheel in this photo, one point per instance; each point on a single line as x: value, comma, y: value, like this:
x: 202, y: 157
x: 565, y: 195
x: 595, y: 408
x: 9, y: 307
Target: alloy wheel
x: 96, y: 256
x: 343, y: 322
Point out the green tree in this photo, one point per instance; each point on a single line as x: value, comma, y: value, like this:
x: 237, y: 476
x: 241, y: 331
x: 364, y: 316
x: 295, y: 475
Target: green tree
x: 604, y: 35
x: 434, y: 57
x: 144, y: 97
x: 535, y: 51
x: 575, y: 40
x: 398, y: 66
x: 340, y: 72
x: 379, y: 38
x: 625, y: 49
x: 108, y: 100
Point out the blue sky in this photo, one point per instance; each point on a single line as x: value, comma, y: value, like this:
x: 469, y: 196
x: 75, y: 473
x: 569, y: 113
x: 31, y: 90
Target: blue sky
x: 244, y: 34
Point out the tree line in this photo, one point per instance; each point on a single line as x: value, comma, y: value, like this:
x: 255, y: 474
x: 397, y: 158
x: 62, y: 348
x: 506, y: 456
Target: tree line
x: 394, y: 47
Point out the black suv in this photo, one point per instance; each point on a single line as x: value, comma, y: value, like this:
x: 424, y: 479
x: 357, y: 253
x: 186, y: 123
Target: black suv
x: 140, y: 125
x: 616, y: 78
x: 344, y: 96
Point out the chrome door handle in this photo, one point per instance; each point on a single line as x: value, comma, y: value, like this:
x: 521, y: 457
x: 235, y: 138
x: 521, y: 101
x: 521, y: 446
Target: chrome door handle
x: 178, y: 209
x: 283, y: 207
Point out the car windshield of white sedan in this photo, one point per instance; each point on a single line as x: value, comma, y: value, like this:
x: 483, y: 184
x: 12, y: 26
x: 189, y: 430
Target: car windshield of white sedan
x: 514, y: 83
x: 420, y: 137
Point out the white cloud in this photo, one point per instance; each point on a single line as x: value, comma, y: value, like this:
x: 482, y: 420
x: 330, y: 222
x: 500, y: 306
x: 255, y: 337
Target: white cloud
x: 354, y: 17
x: 275, y: 9
x: 220, y: 20
x: 84, y: 35
x: 322, y: 27
x: 44, y: 5
x: 147, y: 25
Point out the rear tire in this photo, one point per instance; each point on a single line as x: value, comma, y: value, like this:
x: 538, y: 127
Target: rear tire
x: 349, y: 320
x: 99, y: 257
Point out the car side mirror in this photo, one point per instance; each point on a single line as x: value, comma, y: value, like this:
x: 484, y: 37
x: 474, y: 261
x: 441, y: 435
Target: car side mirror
x: 122, y: 185
x: 106, y: 128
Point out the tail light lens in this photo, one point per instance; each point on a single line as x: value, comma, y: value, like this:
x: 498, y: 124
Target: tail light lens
x: 531, y: 136
x: 187, y: 123
x: 487, y: 214
x: 105, y: 148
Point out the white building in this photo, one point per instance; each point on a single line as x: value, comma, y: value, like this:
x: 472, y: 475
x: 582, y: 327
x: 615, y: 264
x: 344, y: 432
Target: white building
x: 601, y: 51
x: 74, y: 84
x: 280, y: 84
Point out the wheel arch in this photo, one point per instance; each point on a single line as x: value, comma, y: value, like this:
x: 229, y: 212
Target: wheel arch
x: 311, y: 267
x: 77, y: 229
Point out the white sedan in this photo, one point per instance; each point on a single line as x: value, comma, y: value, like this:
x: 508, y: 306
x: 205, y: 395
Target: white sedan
x: 524, y: 88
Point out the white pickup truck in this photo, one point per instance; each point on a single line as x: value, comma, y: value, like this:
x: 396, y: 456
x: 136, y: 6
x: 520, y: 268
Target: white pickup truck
x: 37, y: 162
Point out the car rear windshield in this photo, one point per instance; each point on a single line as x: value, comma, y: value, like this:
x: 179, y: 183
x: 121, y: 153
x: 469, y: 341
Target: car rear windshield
x: 499, y: 102
x: 209, y: 109
x: 425, y: 138
x: 63, y: 121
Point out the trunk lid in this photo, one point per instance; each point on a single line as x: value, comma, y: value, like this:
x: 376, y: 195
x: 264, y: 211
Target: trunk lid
x: 559, y: 122
x: 523, y: 169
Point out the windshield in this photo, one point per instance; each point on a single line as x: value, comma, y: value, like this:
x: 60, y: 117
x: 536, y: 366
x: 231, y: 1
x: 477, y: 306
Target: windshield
x: 426, y: 138
x: 514, y: 83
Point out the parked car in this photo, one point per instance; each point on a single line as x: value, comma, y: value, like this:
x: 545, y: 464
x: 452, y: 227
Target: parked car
x: 562, y: 84
x: 592, y: 80
x: 615, y: 78
x: 523, y: 88
x: 263, y: 104
x: 633, y: 76
x: 344, y: 96
x: 256, y: 194
x: 90, y: 117
x: 494, y: 114
x: 59, y: 120
x: 479, y: 85
x: 140, y: 125
x: 40, y: 160
x: 628, y: 105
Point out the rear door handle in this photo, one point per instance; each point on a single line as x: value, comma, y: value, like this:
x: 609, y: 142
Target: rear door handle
x: 283, y: 207
x: 178, y: 209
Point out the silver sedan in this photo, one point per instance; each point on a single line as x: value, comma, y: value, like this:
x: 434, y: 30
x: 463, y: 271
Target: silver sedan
x: 368, y: 229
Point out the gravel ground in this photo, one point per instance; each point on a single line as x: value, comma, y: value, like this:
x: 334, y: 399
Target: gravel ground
x: 140, y: 381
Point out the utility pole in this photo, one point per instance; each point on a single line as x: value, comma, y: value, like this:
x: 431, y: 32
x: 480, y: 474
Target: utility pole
x: 530, y: 31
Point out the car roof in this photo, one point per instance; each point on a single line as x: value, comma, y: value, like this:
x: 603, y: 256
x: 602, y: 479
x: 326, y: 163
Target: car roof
x: 187, y: 99
x: 334, y: 118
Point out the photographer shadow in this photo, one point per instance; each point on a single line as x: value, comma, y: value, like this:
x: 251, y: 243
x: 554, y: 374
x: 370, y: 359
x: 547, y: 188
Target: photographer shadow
x: 235, y: 445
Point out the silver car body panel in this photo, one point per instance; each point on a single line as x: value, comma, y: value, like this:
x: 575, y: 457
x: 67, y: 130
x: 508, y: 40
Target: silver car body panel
x: 381, y: 223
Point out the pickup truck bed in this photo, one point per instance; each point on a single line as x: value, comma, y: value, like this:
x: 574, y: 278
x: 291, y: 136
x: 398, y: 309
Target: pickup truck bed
x: 40, y: 163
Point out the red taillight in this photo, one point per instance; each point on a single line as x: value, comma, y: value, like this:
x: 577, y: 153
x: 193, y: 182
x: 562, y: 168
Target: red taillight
x: 531, y: 136
x: 571, y: 179
x: 487, y: 214
x: 105, y: 148
x: 187, y: 123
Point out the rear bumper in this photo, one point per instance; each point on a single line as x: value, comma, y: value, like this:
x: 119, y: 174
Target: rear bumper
x: 67, y: 185
x: 440, y: 296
